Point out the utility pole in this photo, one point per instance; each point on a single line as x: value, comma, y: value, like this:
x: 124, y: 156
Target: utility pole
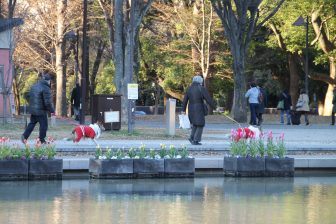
x: 84, y: 65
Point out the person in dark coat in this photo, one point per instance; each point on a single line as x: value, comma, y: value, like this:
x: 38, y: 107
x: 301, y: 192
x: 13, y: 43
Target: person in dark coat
x: 333, y: 108
x: 40, y: 103
x: 75, y: 100
x: 195, y: 96
x: 262, y: 104
x: 287, y: 106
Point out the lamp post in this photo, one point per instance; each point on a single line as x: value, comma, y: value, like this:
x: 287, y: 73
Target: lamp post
x: 301, y: 22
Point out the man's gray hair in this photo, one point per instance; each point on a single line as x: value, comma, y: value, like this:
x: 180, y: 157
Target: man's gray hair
x: 198, y: 79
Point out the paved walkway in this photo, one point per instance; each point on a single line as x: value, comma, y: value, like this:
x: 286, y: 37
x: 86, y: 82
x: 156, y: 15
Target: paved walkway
x: 216, y: 137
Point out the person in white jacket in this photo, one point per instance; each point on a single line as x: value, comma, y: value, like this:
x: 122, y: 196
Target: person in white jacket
x: 302, y: 105
x: 252, y: 95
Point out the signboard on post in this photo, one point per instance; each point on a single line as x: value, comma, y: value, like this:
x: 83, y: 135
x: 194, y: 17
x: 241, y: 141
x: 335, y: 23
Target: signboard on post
x: 111, y: 116
x: 132, y: 91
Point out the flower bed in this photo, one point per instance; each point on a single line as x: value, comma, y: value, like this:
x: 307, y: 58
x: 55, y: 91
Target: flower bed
x: 142, y: 163
x: 257, y: 155
x: 13, y: 162
x: 29, y: 163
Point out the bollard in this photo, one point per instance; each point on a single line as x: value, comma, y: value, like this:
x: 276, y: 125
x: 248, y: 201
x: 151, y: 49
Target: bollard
x: 170, y: 119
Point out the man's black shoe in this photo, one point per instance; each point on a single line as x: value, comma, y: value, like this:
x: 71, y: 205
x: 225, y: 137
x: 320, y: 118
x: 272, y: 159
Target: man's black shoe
x: 191, y: 141
x: 197, y: 143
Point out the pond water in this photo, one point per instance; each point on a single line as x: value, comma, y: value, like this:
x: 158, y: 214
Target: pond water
x: 305, y: 200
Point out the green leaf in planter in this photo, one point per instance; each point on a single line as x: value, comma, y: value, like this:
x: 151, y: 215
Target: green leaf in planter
x: 27, y: 152
x: 253, y: 148
x: 109, y: 153
x: 120, y: 154
x: 38, y: 152
x: 280, y: 148
x: 261, y: 147
x: 98, y: 152
x: 239, y: 148
x: 270, y: 148
x: 5, y: 152
x: 142, y: 151
x: 172, y: 151
x: 16, y: 153
x: 152, y: 153
x: 184, y: 152
x: 163, y: 151
x: 131, y: 153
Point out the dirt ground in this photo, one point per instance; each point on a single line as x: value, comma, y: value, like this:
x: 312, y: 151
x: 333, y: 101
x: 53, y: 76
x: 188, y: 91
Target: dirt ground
x: 64, y: 127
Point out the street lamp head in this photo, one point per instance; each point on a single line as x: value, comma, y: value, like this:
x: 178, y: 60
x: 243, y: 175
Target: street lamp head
x: 299, y: 22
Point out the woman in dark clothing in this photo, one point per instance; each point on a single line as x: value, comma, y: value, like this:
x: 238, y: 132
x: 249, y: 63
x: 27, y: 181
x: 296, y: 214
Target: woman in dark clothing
x: 287, y: 106
x: 263, y: 100
x: 195, y: 96
x: 75, y: 100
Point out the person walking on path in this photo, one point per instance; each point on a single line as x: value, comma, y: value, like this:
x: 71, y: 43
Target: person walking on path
x: 40, y: 103
x: 262, y: 99
x: 75, y: 100
x: 194, y: 98
x: 334, y: 108
x: 252, y: 94
x: 302, y: 105
x: 287, y: 104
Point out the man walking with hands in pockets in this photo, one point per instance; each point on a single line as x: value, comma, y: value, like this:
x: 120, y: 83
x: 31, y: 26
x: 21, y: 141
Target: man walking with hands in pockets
x: 40, y: 103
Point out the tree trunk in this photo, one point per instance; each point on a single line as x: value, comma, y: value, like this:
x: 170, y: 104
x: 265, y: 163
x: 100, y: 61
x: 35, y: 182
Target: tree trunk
x: 329, y: 95
x: 195, y: 54
x: 118, y: 45
x: 157, y: 98
x: 128, y: 69
x: 60, y: 65
x: 239, y: 111
x: 327, y: 46
x: 293, y: 77
x: 16, y: 96
x: 95, y: 68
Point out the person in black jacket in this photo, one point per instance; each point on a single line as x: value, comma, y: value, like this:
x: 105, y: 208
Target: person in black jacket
x: 40, y: 103
x: 287, y: 99
x: 195, y: 96
x: 75, y: 100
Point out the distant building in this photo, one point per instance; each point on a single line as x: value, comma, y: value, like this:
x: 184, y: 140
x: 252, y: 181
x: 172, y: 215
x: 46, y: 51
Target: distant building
x: 6, y: 66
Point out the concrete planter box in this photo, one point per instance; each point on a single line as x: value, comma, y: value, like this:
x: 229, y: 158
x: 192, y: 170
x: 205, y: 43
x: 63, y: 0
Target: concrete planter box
x: 47, y: 169
x: 179, y: 167
x: 244, y: 166
x: 281, y: 167
x: 148, y: 167
x: 14, y: 169
x: 111, y: 168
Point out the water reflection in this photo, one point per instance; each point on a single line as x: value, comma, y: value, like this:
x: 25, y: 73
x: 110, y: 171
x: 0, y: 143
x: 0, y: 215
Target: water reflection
x: 200, y: 200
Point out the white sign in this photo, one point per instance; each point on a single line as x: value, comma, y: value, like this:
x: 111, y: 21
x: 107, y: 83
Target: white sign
x: 132, y: 91
x: 111, y: 116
